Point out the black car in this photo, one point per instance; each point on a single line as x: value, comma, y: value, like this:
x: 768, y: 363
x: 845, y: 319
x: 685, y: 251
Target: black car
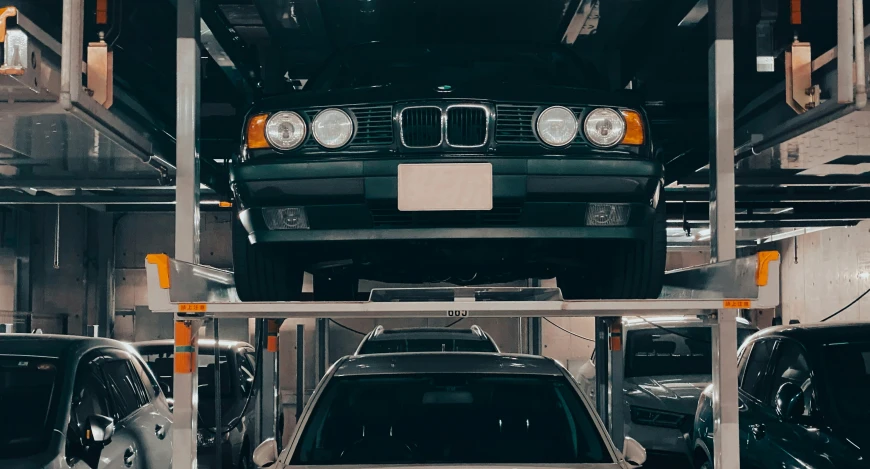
x: 465, y: 164
x: 238, y: 413
x: 426, y: 339
x: 802, y: 399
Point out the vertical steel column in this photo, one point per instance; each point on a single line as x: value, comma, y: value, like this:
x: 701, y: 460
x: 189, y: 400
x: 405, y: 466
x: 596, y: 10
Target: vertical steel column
x: 300, y: 369
x: 721, y: 97
x: 617, y: 401
x: 186, y: 227
x: 218, y: 389
x: 845, y: 51
x: 602, y: 369
x: 536, y: 336
x: 322, y: 347
x: 269, y: 391
x: 23, y: 297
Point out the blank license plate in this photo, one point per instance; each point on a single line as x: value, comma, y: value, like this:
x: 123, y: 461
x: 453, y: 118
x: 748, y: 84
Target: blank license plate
x: 445, y: 187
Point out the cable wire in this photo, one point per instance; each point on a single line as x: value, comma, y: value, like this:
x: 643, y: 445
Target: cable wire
x: 454, y: 323
x: 345, y: 327
x: 848, y: 305
x: 567, y: 331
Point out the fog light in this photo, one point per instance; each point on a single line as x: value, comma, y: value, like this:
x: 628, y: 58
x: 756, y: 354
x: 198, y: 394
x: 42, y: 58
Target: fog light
x: 607, y: 214
x: 285, y: 218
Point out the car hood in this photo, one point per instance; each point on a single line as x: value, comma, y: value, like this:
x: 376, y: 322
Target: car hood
x: 674, y: 393
x: 501, y: 92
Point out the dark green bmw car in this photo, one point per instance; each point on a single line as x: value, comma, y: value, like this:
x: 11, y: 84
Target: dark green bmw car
x: 447, y: 163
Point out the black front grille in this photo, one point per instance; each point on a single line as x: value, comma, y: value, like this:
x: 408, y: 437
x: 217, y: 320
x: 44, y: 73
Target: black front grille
x: 374, y: 125
x: 503, y: 213
x: 466, y: 126
x: 515, y: 124
x: 421, y: 127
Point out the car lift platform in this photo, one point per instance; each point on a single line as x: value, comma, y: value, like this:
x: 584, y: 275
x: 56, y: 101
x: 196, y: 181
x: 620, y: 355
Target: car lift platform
x: 193, y: 290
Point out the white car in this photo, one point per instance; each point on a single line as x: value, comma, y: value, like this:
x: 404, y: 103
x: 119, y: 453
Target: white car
x: 449, y: 409
x: 668, y: 363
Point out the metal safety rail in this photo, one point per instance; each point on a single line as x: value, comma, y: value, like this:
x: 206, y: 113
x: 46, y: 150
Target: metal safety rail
x: 194, y: 290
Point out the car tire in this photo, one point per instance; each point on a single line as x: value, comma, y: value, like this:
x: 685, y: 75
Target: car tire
x: 629, y: 269
x: 706, y: 465
x: 335, y: 287
x: 265, y: 271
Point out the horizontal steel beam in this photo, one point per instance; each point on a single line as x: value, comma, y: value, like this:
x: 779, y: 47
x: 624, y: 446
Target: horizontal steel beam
x: 83, y: 184
x: 770, y: 224
x: 794, y: 194
x: 21, y: 199
x: 701, y: 178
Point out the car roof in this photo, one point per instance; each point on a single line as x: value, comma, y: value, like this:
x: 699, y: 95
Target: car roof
x: 633, y: 322
x: 428, y: 332
x: 446, y: 362
x: 820, y: 333
x: 50, y: 345
x: 207, y: 344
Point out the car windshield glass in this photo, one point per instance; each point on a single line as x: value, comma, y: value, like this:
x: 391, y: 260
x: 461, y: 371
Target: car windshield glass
x: 675, y: 351
x: 426, y: 345
x: 380, y: 65
x: 847, y: 380
x: 161, y: 363
x: 450, y: 419
x: 28, y: 402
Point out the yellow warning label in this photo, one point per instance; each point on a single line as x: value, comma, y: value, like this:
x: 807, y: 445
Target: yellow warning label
x: 737, y: 304
x: 192, y: 308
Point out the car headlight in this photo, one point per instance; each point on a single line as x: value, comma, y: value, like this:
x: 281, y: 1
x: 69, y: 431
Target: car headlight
x: 660, y: 418
x: 604, y: 127
x: 285, y: 130
x: 332, y: 128
x: 557, y: 126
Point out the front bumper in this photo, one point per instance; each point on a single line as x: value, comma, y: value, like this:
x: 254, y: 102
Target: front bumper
x: 666, y: 447
x: 542, y: 198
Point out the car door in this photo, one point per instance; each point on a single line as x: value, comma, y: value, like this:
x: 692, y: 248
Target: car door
x: 157, y: 423
x: 91, y: 397
x: 131, y: 416
x: 752, y: 390
x: 791, y: 443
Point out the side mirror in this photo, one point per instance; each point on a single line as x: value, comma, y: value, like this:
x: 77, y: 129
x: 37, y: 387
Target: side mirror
x: 266, y: 454
x: 789, y: 401
x: 171, y: 403
x: 165, y: 387
x: 100, y: 429
x: 634, y: 453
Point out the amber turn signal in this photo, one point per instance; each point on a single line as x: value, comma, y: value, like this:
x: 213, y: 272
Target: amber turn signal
x: 633, y: 128
x: 256, y: 134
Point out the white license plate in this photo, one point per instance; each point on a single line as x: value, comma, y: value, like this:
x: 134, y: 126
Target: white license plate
x: 445, y: 187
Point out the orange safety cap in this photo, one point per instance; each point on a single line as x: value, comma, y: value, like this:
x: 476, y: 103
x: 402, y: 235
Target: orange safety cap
x: 162, y: 263
x: 762, y: 268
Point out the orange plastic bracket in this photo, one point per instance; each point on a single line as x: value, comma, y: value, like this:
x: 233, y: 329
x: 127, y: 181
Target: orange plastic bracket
x: 162, y: 263
x: 185, y: 352
x: 6, y: 12
x: 762, y: 270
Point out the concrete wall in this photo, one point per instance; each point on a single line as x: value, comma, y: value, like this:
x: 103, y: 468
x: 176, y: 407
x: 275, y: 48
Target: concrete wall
x: 823, y: 272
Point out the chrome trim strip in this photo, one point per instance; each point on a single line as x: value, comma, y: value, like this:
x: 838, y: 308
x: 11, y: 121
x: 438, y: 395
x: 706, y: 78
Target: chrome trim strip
x: 402, y: 131
x: 488, y: 115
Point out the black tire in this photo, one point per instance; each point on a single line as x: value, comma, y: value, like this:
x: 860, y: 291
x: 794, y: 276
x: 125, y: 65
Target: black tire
x: 706, y: 465
x: 264, y: 272
x: 335, y: 287
x: 626, y: 270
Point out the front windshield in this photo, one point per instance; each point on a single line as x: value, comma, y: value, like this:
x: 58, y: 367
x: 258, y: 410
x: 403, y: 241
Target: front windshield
x: 450, y: 419
x: 847, y: 380
x: 426, y: 345
x: 380, y: 65
x: 672, y: 351
x: 28, y: 402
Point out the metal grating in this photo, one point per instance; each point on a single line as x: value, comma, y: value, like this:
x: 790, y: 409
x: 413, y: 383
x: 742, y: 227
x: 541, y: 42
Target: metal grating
x: 503, y: 213
x: 467, y: 126
x: 374, y: 125
x: 515, y: 124
x: 421, y: 127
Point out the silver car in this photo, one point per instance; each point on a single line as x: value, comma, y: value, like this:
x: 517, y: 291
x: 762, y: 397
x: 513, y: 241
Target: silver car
x: 78, y: 402
x: 449, y: 409
x: 426, y: 339
x: 668, y: 363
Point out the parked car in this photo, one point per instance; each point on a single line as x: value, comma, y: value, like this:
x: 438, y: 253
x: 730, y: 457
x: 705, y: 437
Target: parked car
x: 426, y: 339
x: 238, y: 416
x: 459, y: 409
x: 459, y: 163
x: 802, y: 392
x: 668, y: 363
x: 79, y: 402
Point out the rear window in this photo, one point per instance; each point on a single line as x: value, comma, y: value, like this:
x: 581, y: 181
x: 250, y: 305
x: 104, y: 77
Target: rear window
x: 672, y: 351
x: 426, y: 345
x: 450, y: 419
x: 29, y: 388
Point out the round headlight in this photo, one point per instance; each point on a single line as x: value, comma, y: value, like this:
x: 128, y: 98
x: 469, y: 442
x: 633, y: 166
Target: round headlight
x: 557, y: 126
x: 604, y: 127
x: 332, y: 128
x: 285, y: 130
